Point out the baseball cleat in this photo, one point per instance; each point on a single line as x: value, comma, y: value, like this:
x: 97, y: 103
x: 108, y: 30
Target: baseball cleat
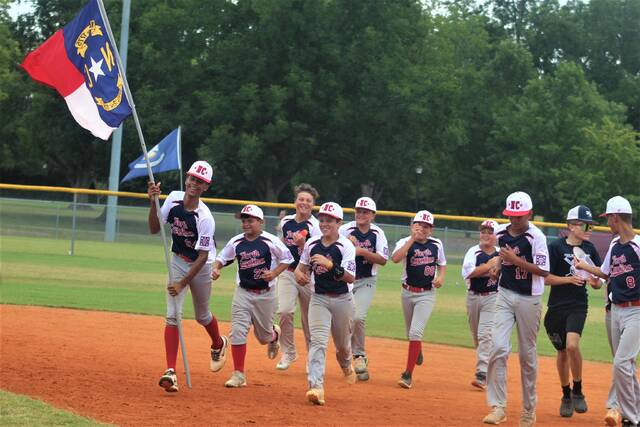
x: 579, y: 404
x: 316, y: 396
x: 360, y: 364
x: 612, y: 418
x: 219, y: 356
x: 238, y: 379
x: 496, y: 416
x: 363, y: 376
x: 527, y: 418
x: 285, y: 361
x: 480, y: 381
x: 274, y: 346
x: 626, y: 423
x: 349, y: 374
x: 566, y: 407
x: 420, y: 359
x: 405, y: 380
x: 169, y: 381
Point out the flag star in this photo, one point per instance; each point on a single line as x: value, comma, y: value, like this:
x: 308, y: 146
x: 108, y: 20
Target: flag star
x: 96, y: 69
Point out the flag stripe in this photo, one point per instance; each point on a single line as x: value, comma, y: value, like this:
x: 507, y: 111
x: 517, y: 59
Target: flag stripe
x: 85, y: 111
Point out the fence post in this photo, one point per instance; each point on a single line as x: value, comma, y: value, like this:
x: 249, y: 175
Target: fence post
x: 73, y: 223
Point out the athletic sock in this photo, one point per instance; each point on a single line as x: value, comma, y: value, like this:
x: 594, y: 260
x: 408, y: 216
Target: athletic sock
x: 171, y: 342
x: 214, y: 333
x: 415, y: 347
x: 238, y: 352
x: 577, y: 387
x: 274, y: 335
x: 566, y: 391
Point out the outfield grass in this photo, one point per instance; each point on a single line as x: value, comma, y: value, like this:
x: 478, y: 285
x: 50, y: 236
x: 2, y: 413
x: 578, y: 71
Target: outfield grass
x: 129, y: 277
x: 18, y: 410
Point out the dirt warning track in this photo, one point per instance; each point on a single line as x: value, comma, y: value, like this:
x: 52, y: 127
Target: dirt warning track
x: 106, y: 366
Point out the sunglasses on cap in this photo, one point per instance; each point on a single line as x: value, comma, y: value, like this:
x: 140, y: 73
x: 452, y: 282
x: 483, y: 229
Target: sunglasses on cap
x: 584, y: 226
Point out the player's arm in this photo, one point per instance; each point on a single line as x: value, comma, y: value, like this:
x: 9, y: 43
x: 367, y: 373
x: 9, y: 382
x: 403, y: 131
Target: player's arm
x: 484, y: 270
x: 225, y: 257
x: 283, y: 256
x: 553, y: 280
x: 400, y: 253
x: 302, y: 274
x: 153, y: 191
x: 596, y: 271
x: 175, y: 287
x: 439, y: 280
x: 508, y: 255
x: 371, y: 257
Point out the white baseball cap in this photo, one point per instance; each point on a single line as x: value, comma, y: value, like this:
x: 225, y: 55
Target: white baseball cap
x: 618, y: 204
x: 580, y: 213
x: 423, y: 216
x: 366, y: 203
x: 252, y: 210
x: 202, y: 170
x: 489, y: 223
x: 518, y: 204
x: 332, y: 209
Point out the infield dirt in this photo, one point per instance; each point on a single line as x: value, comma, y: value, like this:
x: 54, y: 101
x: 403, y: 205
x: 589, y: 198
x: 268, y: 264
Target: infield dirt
x: 106, y: 366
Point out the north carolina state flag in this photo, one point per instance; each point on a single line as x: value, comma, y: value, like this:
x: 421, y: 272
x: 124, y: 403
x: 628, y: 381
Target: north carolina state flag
x: 79, y: 62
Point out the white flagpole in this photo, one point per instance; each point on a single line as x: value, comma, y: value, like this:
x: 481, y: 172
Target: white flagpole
x: 180, y: 155
x: 127, y: 91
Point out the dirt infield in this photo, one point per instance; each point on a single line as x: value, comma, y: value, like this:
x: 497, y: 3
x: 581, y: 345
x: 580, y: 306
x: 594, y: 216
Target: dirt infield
x: 106, y: 366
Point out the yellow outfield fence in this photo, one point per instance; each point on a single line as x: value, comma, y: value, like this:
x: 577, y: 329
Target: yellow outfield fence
x: 237, y: 202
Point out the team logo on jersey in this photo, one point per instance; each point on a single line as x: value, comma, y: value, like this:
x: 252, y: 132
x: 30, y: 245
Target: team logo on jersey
x: 541, y: 259
x: 620, y: 266
x: 205, y: 241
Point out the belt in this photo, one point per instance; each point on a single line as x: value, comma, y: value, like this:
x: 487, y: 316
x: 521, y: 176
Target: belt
x: 635, y: 303
x: 414, y: 289
x: 184, y: 258
x: 482, y: 294
x: 257, y: 291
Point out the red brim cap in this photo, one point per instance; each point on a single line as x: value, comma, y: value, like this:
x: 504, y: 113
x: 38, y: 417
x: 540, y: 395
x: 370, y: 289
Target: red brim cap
x: 603, y: 215
x: 515, y: 213
x: 205, y: 179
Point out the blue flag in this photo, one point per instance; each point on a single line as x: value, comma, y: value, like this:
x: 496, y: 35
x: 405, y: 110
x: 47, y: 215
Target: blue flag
x: 163, y: 157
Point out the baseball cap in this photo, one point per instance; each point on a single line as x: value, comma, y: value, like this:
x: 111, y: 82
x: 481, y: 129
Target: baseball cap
x: 332, y: 209
x: 252, y: 210
x: 518, y: 204
x: 488, y: 223
x: 202, y: 170
x: 580, y: 213
x: 618, y: 204
x: 423, y: 216
x: 366, y: 203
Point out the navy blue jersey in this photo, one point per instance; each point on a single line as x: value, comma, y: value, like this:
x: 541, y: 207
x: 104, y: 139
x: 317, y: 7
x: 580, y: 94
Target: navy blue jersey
x: 474, y: 258
x: 341, y: 253
x: 373, y: 240
x: 532, y: 247
x: 191, y: 231
x: 420, y: 264
x: 289, y: 227
x: 622, y: 264
x: 255, y: 257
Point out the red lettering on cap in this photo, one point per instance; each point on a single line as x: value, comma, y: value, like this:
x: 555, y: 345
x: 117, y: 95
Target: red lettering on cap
x: 515, y: 205
x: 246, y: 209
x: 201, y: 169
x: 328, y: 208
x: 364, y: 202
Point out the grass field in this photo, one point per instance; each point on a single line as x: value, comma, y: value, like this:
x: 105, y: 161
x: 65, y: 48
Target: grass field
x: 129, y: 277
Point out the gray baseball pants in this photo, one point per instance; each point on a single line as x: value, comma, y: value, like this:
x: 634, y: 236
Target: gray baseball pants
x: 288, y: 292
x: 417, y: 308
x: 200, y: 287
x: 329, y: 314
x: 249, y: 308
x: 523, y: 312
x: 480, y: 311
x: 625, y: 334
x: 363, y: 291
x: 612, y: 401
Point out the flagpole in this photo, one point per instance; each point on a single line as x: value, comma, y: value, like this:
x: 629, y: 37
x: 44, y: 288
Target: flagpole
x: 180, y: 154
x: 127, y: 91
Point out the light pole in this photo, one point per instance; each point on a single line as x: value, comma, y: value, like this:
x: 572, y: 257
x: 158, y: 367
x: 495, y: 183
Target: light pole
x: 418, y: 173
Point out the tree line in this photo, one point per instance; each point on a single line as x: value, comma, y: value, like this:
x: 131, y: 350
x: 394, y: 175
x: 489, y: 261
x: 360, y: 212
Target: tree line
x: 484, y: 97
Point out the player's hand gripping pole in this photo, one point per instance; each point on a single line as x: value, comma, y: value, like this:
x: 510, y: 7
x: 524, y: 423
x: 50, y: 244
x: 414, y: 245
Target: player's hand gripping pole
x: 150, y: 173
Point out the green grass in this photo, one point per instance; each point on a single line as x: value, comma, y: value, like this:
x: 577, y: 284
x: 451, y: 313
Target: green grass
x: 18, y: 410
x: 130, y: 277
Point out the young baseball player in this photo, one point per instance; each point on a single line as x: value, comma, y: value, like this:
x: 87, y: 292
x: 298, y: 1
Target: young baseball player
x: 296, y: 230
x: 423, y: 271
x: 482, y: 291
x: 371, y: 251
x: 193, y: 248
x: 567, y: 305
x: 621, y: 266
x: 261, y: 258
x: 328, y: 264
x: 612, y: 417
x: 524, y: 265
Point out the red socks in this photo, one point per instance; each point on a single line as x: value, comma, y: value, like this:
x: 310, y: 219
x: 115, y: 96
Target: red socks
x: 171, y: 342
x: 238, y: 352
x: 415, y: 347
x: 214, y: 333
